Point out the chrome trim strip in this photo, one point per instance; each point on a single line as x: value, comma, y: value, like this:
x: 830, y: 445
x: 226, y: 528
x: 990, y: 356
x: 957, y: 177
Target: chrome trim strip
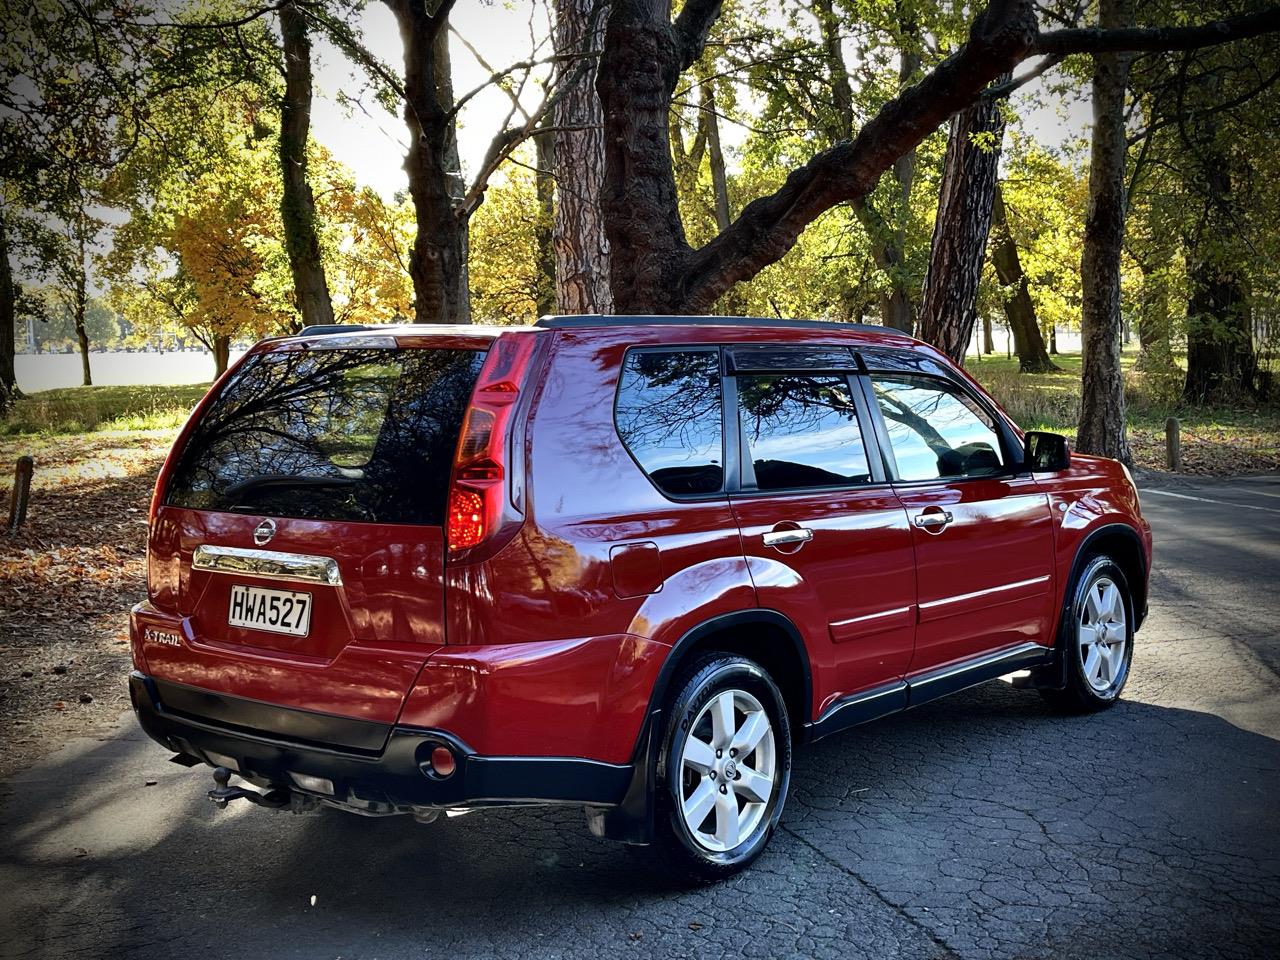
x: 869, y: 616
x: 268, y: 564
x: 960, y: 598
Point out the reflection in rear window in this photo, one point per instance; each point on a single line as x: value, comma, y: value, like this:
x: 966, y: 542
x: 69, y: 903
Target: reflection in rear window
x: 331, y: 434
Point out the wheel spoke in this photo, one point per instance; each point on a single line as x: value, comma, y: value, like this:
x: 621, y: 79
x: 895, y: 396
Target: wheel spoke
x: 1092, y: 614
x: 727, y: 818
x: 1111, y: 603
x: 1091, y: 661
x: 699, y: 804
x: 698, y: 755
x: 1088, y: 635
x: 722, y: 725
x: 750, y: 733
x: 754, y: 787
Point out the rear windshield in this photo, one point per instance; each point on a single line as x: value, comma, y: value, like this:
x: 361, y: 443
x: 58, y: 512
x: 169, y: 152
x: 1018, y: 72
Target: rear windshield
x: 331, y: 434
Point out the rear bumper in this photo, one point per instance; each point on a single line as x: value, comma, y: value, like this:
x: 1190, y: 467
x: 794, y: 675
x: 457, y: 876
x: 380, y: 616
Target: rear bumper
x: 375, y: 768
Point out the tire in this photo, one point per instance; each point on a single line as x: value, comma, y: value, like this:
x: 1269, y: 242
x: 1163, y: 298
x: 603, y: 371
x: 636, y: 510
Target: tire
x: 1095, y: 638
x: 692, y: 778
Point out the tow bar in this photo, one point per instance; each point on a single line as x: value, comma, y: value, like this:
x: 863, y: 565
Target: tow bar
x: 224, y: 793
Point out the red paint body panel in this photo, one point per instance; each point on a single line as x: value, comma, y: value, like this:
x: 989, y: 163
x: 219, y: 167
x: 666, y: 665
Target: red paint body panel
x: 548, y: 640
x: 851, y: 589
x: 986, y: 579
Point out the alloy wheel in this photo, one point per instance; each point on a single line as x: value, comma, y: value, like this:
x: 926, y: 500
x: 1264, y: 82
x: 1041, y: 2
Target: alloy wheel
x: 728, y: 769
x: 1102, y: 633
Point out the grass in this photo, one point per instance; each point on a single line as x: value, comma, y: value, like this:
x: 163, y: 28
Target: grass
x: 81, y: 410
x: 1216, y: 439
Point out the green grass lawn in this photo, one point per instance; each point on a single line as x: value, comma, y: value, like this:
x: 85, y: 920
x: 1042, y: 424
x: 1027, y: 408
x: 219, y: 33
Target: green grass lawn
x: 80, y: 410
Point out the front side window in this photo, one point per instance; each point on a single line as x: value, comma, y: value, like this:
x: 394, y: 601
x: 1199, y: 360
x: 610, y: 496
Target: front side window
x: 333, y: 434
x: 936, y: 430
x: 668, y: 414
x: 801, y: 431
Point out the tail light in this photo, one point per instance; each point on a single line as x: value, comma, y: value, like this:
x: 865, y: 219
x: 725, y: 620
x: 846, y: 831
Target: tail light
x: 486, y: 464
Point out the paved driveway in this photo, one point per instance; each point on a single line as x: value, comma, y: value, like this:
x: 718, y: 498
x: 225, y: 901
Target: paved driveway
x: 980, y: 826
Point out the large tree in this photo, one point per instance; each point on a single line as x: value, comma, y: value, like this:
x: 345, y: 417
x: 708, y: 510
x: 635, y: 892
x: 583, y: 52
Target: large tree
x: 1102, y: 406
x: 970, y: 175
x: 653, y: 267
x: 581, y: 247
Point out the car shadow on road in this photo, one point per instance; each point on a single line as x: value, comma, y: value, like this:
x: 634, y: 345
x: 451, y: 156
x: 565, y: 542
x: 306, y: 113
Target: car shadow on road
x: 983, y: 825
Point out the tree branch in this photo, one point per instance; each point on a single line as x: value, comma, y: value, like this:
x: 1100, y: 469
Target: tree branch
x: 691, y: 29
x: 1099, y: 40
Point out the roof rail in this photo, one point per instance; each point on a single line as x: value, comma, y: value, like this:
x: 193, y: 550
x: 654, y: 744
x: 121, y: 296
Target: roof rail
x: 588, y: 320
x: 324, y: 329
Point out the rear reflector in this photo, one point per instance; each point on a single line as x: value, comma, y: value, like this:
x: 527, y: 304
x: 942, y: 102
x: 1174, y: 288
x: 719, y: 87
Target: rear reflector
x: 466, y: 526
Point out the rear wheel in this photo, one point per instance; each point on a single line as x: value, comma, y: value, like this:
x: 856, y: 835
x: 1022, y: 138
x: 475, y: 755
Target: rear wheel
x: 1096, y: 639
x: 726, y: 767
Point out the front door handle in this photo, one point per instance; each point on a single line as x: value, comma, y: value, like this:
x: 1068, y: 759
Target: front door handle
x: 934, y: 521
x: 780, y: 538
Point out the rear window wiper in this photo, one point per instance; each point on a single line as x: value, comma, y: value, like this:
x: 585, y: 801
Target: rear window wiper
x: 286, y: 480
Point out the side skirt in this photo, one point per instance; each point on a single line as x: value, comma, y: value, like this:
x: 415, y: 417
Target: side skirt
x: 921, y: 688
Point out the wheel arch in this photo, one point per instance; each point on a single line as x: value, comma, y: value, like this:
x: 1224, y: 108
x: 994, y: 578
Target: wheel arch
x: 1121, y: 543
x: 766, y: 636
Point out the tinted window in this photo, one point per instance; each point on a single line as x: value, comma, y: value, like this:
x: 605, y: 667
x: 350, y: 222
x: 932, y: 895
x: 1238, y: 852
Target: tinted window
x: 936, y: 430
x: 347, y: 434
x: 801, y: 431
x: 668, y: 413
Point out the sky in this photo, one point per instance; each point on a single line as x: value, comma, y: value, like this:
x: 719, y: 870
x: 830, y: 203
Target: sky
x: 372, y: 142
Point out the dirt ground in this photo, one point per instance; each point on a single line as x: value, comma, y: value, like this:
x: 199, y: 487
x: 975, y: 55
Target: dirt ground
x: 67, y: 580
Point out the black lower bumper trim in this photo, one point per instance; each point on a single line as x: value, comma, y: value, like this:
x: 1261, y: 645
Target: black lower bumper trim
x: 396, y: 777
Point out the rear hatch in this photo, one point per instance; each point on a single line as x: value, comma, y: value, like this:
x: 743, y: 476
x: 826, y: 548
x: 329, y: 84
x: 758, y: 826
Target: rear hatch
x: 299, y: 537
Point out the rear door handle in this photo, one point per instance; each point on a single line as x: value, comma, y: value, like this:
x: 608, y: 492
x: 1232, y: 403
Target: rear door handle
x: 780, y: 538
x: 933, y: 520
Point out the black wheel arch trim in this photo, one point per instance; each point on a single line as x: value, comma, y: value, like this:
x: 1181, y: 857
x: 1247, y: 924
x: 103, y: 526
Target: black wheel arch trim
x: 1082, y: 551
x: 631, y: 821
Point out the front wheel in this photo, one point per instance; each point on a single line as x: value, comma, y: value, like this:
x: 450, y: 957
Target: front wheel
x: 1096, y: 638
x: 726, y: 767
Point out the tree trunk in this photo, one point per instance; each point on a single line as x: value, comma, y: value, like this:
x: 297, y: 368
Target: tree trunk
x: 543, y: 233
x: 581, y: 246
x: 1102, y: 406
x: 988, y: 344
x: 950, y: 304
x: 297, y: 205
x: 1018, y: 308
x: 438, y: 261
x: 1221, y: 363
x: 221, y: 354
x: 1053, y: 340
x: 8, y: 321
x: 715, y: 156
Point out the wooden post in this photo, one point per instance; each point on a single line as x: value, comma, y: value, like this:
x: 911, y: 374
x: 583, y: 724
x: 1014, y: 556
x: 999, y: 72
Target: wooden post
x: 21, y: 492
x: 1173, y: 444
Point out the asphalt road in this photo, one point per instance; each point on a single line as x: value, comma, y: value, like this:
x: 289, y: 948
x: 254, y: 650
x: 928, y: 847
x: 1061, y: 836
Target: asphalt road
x: 980, y: 826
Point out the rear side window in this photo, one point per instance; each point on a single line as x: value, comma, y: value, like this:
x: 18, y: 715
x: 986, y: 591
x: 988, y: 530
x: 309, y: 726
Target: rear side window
x: 801, y: 431
x: 331, y: 434
x: 668, y: 415
x: 936, y: 430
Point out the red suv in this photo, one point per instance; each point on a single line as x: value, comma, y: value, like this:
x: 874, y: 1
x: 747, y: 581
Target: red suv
x: 619, y: 562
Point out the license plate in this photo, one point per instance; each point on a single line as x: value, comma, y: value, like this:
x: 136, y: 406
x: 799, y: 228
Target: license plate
x: 276, y: 611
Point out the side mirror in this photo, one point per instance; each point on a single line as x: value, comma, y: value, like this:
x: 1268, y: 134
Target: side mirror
x: 1046, y: 452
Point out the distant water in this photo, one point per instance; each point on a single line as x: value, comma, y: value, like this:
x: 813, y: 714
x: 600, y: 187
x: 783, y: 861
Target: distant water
x: 45, y: 371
